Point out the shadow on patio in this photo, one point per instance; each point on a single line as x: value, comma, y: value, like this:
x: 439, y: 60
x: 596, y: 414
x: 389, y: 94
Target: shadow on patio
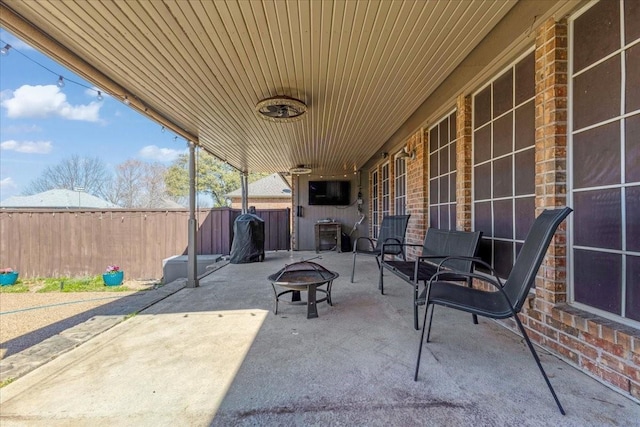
x: 217, y: 355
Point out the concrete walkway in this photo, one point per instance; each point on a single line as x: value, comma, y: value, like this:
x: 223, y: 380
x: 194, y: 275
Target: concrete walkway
x: 217, y: 355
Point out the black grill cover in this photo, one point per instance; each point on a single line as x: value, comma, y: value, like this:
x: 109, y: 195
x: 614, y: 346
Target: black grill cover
x: 248, y: 239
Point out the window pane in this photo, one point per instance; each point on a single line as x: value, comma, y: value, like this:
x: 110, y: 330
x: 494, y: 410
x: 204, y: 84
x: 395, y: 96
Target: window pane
x: 525, y: 125
x: 525, y: 79
x: 452, y: 216
x: 482, y: 107
x: 444, y: 133
x: 596, y: 33
x: 433, y: 164
x: 444, y: 217
x: 596, y: 156
x: 633, y: 218
x: 502, y: 177
x: 482, y: 218
x: 433, y: 139
x: 503, y: 93
x: 503, y: 135
x: 525, y: 215
x: 452, y: 187
x: 503, y: 257
x: 433, y: 217
x: 632, y: 152
x: 631, y: 20
x: 485, y: 252
x: 452, y: 157
x: 444, y: 160
x: 598, y: 279
x: 482, y: 182
x: 482, y: 144
x: 503, y: 219
x: 597, y: 219
x: 433, y: 191
x: 597, y: 94
x: 452, y: 127
x: 633, y: 288
x: 632, y: 96
x: 444, y: 189
x: 525, y: 172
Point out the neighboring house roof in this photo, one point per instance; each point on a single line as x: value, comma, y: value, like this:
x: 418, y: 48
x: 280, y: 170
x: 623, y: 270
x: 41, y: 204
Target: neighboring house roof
x: 165, y: 204
x: 59, y: 198
x: 272, y: 186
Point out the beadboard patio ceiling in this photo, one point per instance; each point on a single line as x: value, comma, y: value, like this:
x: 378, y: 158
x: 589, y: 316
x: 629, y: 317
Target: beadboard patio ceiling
x: 200, y: 66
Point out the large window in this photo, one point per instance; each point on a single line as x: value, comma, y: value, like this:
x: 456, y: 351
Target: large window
x: 400, y: 186
x: 442, y: 174
x: 605, y: 157
x: 375, y: 209
x: 504, y: 163
x: 386, y: 195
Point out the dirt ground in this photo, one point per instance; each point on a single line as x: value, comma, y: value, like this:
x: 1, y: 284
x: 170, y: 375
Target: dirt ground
x: 28, y: 318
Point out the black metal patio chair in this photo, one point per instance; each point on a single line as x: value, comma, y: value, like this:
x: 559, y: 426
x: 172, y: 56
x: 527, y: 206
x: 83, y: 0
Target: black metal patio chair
x: 392, y: 230
x: 507, y: 300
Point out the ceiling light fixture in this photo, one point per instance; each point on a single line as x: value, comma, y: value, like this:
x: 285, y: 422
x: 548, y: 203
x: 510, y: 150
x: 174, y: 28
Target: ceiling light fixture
x: 5, y: 50
x: 300, y: 170
x: 280, y: 109
x: 100, y: 97
x: 126, y: 100
x: 60, y: 81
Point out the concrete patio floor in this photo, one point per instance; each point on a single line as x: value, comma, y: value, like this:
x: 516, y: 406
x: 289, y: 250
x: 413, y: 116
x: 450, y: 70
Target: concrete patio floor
x: 217, y: 355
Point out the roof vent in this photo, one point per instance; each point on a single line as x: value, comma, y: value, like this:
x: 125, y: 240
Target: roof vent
x: 281, y: 109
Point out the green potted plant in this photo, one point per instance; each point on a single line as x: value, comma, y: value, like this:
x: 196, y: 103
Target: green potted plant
x: 113, y: 276
x: 8, y: 276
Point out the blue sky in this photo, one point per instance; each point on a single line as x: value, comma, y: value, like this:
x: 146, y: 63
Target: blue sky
x: 42, y: 124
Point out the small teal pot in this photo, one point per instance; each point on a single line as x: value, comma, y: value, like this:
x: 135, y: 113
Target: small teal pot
x: 113, y: 279
x: 7, y: 279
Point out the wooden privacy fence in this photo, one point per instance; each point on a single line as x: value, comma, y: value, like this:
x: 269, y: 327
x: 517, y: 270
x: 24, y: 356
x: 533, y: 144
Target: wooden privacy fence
x: 78, y: 242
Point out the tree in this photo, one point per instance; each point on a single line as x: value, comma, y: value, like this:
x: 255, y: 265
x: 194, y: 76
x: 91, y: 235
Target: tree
x: 89, y: 173
x: 213, y: 177
x: 137, y: 184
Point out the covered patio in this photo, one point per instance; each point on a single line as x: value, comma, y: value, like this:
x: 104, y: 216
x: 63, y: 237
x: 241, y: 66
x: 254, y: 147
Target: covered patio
x: 217, y: 355
x: 468, y: 115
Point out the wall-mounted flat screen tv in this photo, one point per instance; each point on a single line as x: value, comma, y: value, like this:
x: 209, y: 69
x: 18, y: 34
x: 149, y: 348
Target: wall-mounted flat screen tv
x: 336, y: 193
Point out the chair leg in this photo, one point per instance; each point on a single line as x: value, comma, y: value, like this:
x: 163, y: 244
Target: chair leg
x: 433, y: 308
x: 537, y: 359
x: 353, y: 269
x: 474, y: 316
x: 415, y: 377
x: 415, y: 307
x: 381, y: 280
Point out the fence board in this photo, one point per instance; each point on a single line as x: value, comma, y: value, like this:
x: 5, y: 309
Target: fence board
x: 55, y: 243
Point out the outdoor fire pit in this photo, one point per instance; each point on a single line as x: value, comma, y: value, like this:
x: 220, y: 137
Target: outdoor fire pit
x: 303, y: 276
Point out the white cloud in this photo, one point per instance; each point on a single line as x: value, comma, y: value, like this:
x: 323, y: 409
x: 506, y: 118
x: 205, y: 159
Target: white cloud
x: 47, y: 101
x: 30, y: 147
x: 154, y: 152
x: 7, y: 183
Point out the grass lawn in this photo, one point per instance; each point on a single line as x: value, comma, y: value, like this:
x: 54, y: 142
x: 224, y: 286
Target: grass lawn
x: 74, y: 284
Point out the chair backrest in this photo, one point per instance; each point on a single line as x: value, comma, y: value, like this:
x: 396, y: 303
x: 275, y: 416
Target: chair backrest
x: 523, y: 273
x: 451, y: 243
x: 392, y: 227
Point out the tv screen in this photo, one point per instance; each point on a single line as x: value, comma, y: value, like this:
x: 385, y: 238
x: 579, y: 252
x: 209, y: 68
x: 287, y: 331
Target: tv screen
x: 329, y: 193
